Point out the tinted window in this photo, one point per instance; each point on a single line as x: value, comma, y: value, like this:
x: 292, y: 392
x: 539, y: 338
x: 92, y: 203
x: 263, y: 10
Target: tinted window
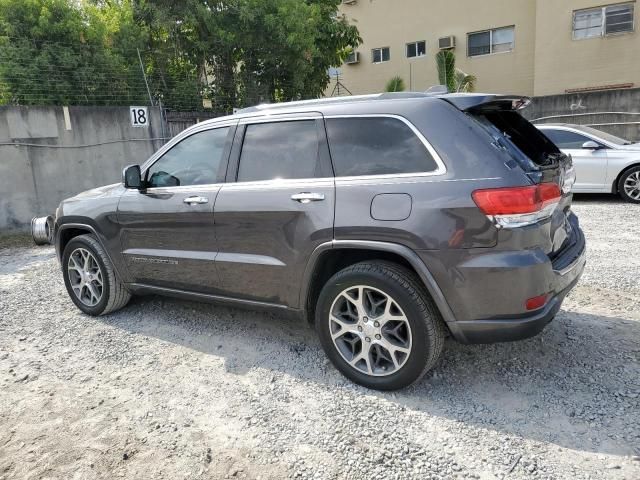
x: 280, y: 150
x: 619, y: 19
x: 479, y: 43
x: 513, y: 133
x: 416, y: 49
x: 380, y: 55
x: 376, y: 146
x: 564, y: 139
x: 492, y: 41
x: 196, y: 160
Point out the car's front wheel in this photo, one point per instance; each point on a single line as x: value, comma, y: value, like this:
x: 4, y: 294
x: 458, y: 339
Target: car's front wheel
x: 90, y: 278
x: 378, y: 325
x: 629, y: 185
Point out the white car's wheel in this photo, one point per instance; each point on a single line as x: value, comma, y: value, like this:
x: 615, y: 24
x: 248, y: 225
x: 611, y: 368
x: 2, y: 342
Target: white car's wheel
x: 629, y: 185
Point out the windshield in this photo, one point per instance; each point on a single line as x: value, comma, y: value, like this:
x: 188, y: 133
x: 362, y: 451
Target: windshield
x: 607, y: 137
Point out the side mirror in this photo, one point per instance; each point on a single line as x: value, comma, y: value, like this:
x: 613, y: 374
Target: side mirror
x: 590, y: 145
x: 131, y: 177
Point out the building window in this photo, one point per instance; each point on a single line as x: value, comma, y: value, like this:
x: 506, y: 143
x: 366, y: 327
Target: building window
x: 416, y: 49
x: 601, y: 21
x: 496, y: 40
x: 380, y: 55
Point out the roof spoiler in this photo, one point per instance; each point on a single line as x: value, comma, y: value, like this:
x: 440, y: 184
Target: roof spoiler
x: 475, y: 102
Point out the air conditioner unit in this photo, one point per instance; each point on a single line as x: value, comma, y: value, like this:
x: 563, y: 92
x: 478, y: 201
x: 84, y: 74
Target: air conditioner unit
x: 353, y: 58
x: 446, y: 43
x: 349, y: 2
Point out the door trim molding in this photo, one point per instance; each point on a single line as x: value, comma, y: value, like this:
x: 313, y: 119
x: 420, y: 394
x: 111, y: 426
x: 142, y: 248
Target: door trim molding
x: 206, y: 297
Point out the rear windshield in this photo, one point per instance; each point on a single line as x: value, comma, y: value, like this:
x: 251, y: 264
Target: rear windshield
x: 519, y: 137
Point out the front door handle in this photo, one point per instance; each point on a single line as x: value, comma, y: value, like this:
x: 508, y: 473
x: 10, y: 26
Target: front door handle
x: 196, y: 200
x: 306, y: 197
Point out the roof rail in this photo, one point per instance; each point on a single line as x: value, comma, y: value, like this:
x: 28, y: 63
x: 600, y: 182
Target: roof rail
x: 335, y: 100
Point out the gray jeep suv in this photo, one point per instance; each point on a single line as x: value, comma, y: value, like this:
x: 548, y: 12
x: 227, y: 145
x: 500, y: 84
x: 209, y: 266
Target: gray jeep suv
x: 389, y: 221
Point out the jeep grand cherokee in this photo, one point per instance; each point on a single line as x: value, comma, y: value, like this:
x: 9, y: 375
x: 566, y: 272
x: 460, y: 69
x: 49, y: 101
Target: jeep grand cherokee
x: 388, y: 221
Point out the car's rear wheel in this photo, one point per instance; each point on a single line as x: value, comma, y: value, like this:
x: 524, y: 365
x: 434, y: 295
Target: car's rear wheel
x: 90, y: 277
x: 629, y: 185
x: 378, y: 325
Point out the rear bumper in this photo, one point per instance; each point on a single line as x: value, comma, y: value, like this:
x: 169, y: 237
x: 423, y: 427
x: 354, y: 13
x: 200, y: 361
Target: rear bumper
x: 563, y: 274
x: 519, y: 328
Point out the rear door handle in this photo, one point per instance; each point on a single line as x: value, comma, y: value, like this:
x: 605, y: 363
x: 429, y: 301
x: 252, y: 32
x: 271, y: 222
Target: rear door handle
x: 306, y: 197
x: 195, y: 200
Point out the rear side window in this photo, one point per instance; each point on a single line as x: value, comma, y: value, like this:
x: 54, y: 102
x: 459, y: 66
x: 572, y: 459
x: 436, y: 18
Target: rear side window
x: 280, y: 150
x: 376, y: 146
x: 564, y: 139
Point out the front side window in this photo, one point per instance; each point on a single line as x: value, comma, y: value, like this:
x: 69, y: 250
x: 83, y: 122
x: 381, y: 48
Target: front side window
x: 196, y: 160
x: 379, y: 55
x: 280, y: 150
x: 496, y: 40
x: 416, y: 49
x: 565, y: 139
x: 376, y: 146
x: 601, y: 21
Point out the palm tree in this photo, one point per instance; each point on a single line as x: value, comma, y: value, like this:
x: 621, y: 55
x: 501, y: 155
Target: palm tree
x: 464, y: 83
x: 396, y: 84
x: 453, y: 78
x: 446, y: 62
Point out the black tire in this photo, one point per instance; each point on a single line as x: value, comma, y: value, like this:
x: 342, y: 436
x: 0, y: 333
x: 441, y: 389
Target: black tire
x: 632, y: 174
x: 114, y: 294
x: 405, y: 289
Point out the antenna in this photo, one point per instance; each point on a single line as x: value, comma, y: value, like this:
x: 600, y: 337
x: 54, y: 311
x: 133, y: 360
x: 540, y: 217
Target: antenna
x: 339, y: 86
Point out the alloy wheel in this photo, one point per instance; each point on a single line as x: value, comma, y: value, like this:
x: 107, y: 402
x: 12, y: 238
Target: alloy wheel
x: 85, y: 277
x: 370, y: 330
x: 632, y: 185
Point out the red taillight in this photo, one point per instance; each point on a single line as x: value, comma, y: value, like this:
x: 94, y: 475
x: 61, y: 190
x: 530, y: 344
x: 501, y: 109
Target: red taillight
x: 535, y: 303
x: 516, y: 200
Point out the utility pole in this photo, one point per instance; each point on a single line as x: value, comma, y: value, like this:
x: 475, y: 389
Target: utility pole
x: 144, y: 75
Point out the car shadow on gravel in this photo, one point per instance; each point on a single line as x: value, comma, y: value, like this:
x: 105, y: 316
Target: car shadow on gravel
x: 598, y: 198
x: 575, y: 385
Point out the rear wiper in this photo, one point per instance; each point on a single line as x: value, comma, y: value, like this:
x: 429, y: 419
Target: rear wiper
x: 552, y: 158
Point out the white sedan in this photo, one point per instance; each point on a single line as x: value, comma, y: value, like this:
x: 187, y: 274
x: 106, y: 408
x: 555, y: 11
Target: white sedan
x: 604, y: 163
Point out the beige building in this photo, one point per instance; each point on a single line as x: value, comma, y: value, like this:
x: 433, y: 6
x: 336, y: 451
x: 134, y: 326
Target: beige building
x: 532, y: 47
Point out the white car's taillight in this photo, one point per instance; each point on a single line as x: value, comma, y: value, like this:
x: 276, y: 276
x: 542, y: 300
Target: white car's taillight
x: 513, y: 207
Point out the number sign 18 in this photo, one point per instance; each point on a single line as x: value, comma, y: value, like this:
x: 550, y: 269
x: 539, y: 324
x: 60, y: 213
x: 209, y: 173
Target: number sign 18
x: 139, y: 116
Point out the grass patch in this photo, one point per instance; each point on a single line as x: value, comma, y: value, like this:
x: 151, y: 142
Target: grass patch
x: 15, y: 239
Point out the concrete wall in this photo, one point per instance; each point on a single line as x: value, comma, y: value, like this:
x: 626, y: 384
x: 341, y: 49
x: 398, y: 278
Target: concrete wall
x: 44, y: 159
x: 545, y: 59
x: 616, y: 112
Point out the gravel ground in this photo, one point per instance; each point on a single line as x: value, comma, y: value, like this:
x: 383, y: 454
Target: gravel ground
x: 170, y: 389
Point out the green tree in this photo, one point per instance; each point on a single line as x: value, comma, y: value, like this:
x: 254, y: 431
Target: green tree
x: 235, y: 52
x: 250, y: 51
x: 61, y: 52
x: 464, y: 82
x: 453, y: 78
x: 446, y: 63
x: 396, y: 84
